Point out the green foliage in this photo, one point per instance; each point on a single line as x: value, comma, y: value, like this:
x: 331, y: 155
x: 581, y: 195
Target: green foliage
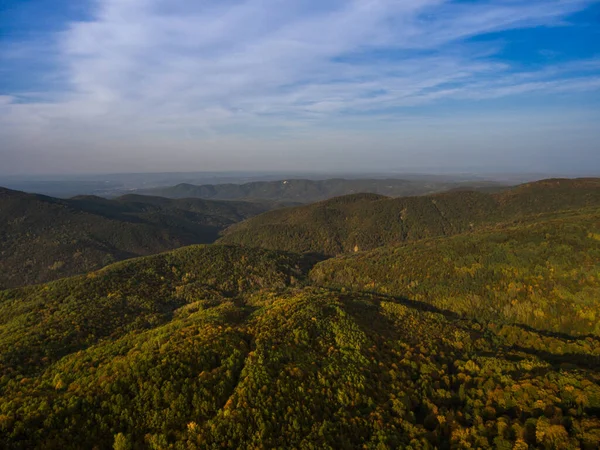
x: 44, y: 238
x: 544, y: 274
x: 487, y: 338
x: 309, y: 368
x: 366, y: 221
x: 40, y: 324
x: 121, y: 442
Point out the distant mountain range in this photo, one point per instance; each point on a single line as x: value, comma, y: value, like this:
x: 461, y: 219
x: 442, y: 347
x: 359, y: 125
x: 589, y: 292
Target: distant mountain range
x: 44, y: 238
x: 307, y: 191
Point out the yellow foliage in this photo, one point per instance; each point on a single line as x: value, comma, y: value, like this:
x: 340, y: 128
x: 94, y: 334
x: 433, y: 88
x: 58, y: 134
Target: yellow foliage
x: 520, y: 444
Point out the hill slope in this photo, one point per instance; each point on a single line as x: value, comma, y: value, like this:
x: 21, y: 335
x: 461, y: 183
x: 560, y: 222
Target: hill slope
x: 222, y: 347
x: 543, y: 274
x: 44, y: 238
x: 308, y: 191
x: 130, y: 295
x: 367, y: 221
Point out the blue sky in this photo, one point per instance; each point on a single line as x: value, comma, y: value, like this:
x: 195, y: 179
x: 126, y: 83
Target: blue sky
x: 159, y: 85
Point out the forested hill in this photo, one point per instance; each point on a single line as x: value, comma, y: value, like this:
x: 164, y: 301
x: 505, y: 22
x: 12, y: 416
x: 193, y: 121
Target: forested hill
x: 44, y: 238
x: 542, y: 274
x: 366, y: 221
x: 308, y: 191
x: 230, y: 347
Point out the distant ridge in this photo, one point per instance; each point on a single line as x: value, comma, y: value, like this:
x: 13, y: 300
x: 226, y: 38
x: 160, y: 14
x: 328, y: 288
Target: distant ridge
x: 363, y: 222
x: 45, y: 238
x: 307, y: 191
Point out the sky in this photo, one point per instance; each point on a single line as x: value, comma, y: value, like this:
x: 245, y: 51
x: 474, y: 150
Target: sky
x: 99, y: 86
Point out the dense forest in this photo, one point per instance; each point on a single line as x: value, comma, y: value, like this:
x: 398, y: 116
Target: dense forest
x: 366, y: 221
x: 477, y: 329
x: 542, y: 273
x: 44, y: 238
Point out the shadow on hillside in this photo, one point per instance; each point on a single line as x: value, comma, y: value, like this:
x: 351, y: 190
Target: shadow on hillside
x: 567, y: 361
x: 555, y: 334
x: 368, y: 316
x: 309, y: 260
x: 415, y: 304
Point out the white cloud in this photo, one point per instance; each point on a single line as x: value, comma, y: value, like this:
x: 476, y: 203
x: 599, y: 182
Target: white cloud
x: 199, y: 70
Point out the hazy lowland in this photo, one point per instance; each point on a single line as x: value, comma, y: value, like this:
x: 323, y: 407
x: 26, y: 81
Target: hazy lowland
x: 403, y: 313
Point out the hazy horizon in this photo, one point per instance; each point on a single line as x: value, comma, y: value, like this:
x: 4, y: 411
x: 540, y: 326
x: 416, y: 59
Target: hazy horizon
x: 447, y: 86
x: 324, y: 174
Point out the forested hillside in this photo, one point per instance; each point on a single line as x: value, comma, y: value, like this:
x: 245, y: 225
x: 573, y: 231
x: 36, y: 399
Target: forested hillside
x: 477, y: 329
x: 223, y: 347
x: 544, y: 273
x: 308, y: 191
x: 44, y: 238
x: 366, y: 221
